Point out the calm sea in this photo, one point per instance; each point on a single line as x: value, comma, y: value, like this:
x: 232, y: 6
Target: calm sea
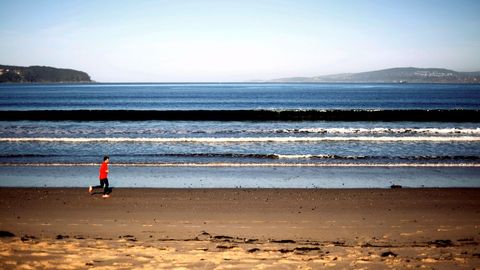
x: 240, y: 153
x: 238, y: 96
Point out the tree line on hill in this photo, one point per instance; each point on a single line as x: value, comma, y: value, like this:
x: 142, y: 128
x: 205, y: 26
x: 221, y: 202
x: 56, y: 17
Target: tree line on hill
x: 41, y: 74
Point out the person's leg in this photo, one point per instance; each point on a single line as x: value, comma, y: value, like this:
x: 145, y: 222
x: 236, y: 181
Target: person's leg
x: 92, y: 188
x: 99, y: 186
x: 105, y: 186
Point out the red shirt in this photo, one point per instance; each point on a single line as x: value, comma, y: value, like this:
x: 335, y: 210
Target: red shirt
x: 103, y: 170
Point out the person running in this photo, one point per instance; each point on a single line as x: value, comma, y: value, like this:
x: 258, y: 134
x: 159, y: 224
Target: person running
x: 103, y: 176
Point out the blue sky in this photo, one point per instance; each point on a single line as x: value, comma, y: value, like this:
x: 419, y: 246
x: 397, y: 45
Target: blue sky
x: 160, y: 41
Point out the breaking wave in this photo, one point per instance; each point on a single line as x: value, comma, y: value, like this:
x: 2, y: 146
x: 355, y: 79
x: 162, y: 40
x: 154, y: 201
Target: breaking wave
x: 375, y: 131
x: 235, y: 164
x: 258, y: 156
x: 249, y: 139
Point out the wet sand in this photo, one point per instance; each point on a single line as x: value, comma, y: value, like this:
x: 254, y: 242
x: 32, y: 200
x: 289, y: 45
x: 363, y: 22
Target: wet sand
x: 240, y: 228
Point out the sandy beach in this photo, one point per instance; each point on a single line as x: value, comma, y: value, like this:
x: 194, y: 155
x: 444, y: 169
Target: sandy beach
x: 240, y: 228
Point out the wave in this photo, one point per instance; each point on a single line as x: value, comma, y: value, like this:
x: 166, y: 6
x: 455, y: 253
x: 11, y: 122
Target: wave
x: 373, y: 131
x: 314, y: 156
x: 412, y: 158
x: 343, y: 131
x: 377, y: 139
x: 409, y: 131
x: 455, y: 115
x: 260, y: 156
x: 253, y: 165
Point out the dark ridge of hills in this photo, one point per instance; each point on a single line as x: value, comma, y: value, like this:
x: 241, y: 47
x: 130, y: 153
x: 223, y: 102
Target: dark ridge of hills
x: 41, y: 74
x: 394, y: 75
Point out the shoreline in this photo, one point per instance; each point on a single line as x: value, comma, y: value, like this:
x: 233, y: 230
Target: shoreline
x: 243, y: 177
x: 341, y: 228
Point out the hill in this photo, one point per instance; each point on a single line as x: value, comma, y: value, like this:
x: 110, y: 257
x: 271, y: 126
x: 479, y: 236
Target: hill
x: 41, y: 74
x: 395, y: 75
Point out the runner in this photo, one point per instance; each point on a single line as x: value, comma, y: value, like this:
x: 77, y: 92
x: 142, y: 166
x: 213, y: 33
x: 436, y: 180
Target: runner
x: 103, y: 176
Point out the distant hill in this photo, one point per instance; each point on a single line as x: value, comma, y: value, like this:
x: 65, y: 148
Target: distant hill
x: 394, y: 75
x: 41, y: 74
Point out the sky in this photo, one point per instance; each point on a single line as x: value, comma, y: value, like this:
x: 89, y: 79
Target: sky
x: 226, y: 40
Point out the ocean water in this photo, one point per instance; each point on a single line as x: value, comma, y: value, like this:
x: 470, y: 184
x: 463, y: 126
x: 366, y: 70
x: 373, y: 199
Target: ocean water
x: 241, y: 153
x: 238, y: 96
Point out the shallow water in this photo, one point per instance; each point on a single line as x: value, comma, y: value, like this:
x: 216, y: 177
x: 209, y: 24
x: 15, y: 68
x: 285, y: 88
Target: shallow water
x: 244, y: 177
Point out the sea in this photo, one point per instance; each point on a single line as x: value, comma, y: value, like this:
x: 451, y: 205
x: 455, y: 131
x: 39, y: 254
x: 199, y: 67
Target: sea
x: 246, y: 152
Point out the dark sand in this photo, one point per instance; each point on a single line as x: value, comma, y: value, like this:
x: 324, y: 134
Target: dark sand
x: 240, y: 228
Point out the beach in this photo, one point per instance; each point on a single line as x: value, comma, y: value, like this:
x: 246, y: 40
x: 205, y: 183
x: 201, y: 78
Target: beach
x: 154, y: 228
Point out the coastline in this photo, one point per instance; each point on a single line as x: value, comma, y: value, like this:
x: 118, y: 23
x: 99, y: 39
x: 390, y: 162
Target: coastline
x: 435, y: 227
x: 258, y: 176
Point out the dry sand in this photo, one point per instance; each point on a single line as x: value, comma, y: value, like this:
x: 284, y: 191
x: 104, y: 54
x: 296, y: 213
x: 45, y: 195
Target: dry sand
x: 240, y: 229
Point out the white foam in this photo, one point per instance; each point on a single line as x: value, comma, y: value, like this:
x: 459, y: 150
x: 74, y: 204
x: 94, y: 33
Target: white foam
x: 230, y: 164
x: 250, y: 139
x: 301, y: 156
x: 443, y: 131
x: 33, y: 130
